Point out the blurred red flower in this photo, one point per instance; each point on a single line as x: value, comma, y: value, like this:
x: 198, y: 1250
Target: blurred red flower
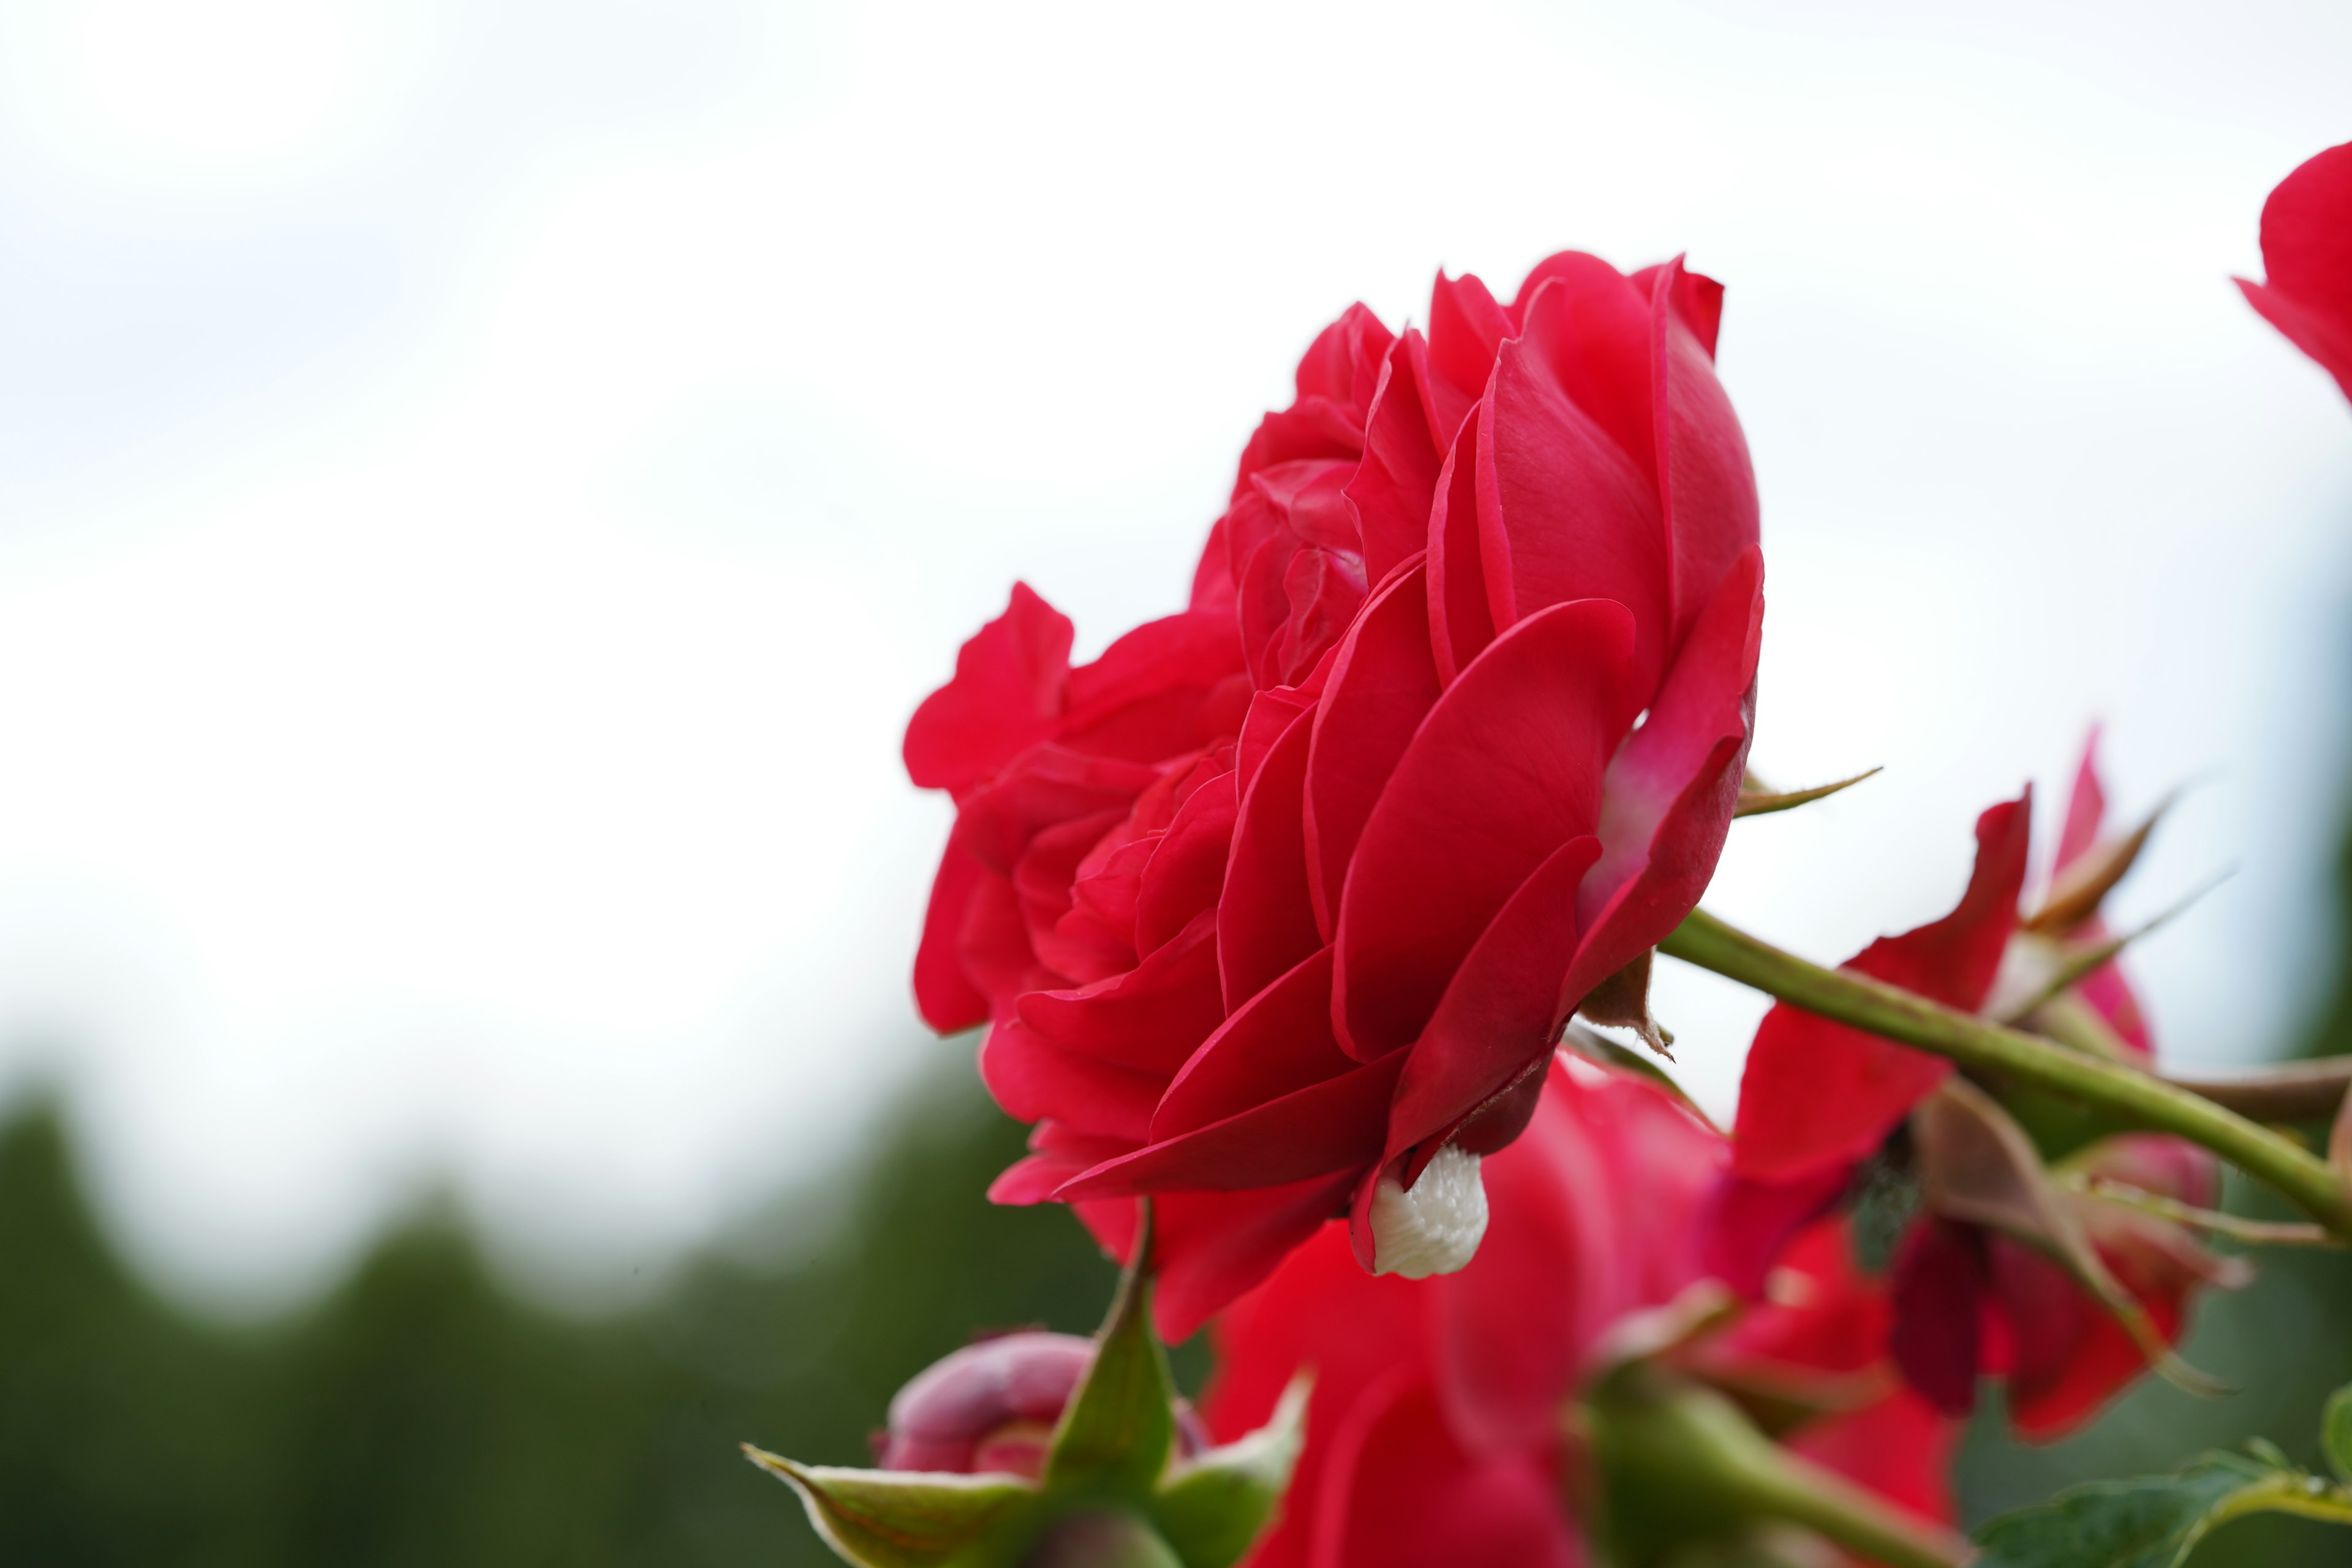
x: 1435, y: 1434
x: 1287, y: 898
x: 2307, y: 261
x: 1819, y: 1099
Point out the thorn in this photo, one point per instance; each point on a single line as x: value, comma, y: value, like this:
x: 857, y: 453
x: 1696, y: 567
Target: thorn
x: 1756, y: 800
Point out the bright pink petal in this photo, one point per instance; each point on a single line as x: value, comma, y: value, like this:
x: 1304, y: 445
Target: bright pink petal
x: 1006, y: 697
x: 1902, y: 1448
x: 1210, y: 1247
x: 1460, y: 624
x: 1817, y: 1094
x: 2307, y: 259
x: 1266, y: 918
x: 1394, y: 484
x: 1504, y: 771
x: 1326, y: 1128
x: 1187, y: 869
x: 1149, y: 1020
x: 1277, y: 1041
x: 1594, y: 1213
x: 2086, y: 806
x: 1383, y: 685
x: 1033, y: 1079
x: 1465, y: 328
x: 1707, y: 482
x: 943, y: 991
x: 1564, y: 513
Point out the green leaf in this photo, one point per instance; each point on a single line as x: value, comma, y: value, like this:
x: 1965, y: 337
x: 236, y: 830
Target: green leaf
x: 1115, y: 1432
x: 904, y: 1519
x: 2335, y: 1432
x: 2153, y: 1521
x: 1212, y: 1508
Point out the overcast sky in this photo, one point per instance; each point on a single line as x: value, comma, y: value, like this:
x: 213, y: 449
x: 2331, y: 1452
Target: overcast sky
x: 482, y: 485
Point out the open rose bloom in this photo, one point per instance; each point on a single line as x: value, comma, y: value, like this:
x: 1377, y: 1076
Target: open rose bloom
x: 1275, y: 910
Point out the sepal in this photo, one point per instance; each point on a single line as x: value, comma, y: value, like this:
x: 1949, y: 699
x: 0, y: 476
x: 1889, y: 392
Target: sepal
x: 1211, y: 1508
x: 1116, y: 1489
x: 906, y: 1518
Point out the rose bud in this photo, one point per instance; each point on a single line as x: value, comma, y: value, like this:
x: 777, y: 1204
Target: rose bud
x: 992, y: 1406
x: 2307, y: 262
x: 1277, y: 909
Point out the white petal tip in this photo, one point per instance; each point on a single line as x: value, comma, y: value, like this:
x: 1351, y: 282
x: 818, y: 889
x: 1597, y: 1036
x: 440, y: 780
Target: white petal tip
x: 1435, y: 1227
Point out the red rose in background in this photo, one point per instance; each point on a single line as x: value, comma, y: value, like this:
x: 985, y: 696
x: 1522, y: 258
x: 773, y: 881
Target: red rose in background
x: 1498, y: 593
x: 1819, y: 1099
x: 1434, y: 1431
x: 2307, y: 262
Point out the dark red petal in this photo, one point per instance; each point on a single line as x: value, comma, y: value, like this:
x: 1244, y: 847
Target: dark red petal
x: 1277, y: 1041
x: 1707, y: 482
x: 1498, y: 1013
x: 1939, y: 1289
x: 1329, y: 1128
x: 2069, y: 1355
x: 1383, y: 685
x: 1006, y: 697
x: 1817, y: 1094
x: 1670, y: 791
x: 1266, y: 917
x: 1506, y: 770
x: 1564, y: 512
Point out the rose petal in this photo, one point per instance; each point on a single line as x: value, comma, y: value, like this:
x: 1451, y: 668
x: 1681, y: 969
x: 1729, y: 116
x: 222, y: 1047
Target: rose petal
x: 1817, y: 1094
x: 1506, y: 770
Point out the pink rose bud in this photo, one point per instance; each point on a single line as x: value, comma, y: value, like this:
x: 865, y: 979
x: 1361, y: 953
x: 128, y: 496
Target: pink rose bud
x: 992, y: 1408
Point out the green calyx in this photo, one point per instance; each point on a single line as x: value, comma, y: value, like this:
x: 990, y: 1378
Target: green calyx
x: 1115, y: 1492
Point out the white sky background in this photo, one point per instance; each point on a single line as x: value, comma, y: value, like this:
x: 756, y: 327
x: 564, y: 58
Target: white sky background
x: 481, y: 487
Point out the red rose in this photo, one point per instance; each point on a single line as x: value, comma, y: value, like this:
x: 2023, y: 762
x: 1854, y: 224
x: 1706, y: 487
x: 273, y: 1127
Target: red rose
x: 1434, y: 1432
x: 1498, y: 594
x: 1819, y: 1099
x: 2307, y: 262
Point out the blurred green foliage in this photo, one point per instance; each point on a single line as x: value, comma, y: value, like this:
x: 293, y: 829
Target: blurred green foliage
x: 425, y: 1413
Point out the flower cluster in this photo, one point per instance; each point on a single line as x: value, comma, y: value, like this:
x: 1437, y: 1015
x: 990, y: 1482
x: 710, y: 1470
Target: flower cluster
x: 1281, y: 916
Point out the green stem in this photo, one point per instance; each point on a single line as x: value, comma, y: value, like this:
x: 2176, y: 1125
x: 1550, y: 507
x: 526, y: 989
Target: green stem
x: 2133, y: 1097
x: 1680, y: 1463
